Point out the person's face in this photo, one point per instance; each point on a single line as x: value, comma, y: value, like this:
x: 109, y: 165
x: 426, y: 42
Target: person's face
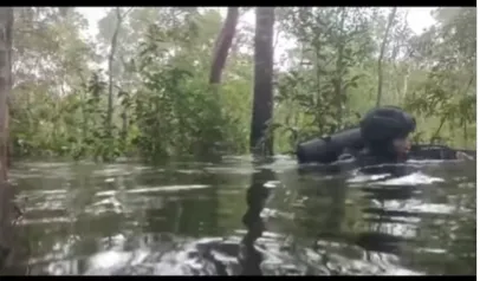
x: 401, y: 146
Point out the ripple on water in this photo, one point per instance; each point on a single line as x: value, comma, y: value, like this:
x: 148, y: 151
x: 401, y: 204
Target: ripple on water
x: 186, y: 219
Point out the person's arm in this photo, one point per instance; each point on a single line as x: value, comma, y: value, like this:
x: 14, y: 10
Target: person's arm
x: 462, y: 155
x: 438, y: 152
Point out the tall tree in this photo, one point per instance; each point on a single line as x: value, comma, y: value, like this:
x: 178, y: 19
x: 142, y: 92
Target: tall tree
x: 111, y: 58
x: 260, y: 142
x: 380, y: 57
x: 223, y: 44
x: 6, y: 22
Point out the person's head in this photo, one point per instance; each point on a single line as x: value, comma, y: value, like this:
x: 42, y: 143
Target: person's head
x: 385, y: 131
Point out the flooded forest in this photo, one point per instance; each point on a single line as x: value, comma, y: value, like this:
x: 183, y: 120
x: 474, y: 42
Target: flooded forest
x: 159, y: 140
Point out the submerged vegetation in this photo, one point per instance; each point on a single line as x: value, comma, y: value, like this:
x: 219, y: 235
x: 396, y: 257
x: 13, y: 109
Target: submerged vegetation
x: 153, y: 99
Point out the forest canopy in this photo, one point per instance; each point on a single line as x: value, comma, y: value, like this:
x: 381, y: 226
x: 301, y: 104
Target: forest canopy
x: 153, y: 99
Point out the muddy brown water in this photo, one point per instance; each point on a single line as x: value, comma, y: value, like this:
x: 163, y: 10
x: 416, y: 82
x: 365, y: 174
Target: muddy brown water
x: 239, y: 218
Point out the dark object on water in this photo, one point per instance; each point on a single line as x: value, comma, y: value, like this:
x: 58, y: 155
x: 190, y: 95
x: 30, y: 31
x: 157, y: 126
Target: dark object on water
x: 327, y: 149
x: 381, y: 125
x: 373, y: 142
x: 439, y: 152
x: 378, y: 128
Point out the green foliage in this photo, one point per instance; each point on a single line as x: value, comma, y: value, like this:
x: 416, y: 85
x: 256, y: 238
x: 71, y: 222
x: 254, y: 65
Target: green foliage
x: 448, y: 93
x: 333, y: 41
x: 163, y: 106
x: 332, y: 77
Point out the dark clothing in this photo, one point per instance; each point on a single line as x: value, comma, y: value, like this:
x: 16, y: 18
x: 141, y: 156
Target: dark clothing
x: 417, y: 152
x: 370, y: 159
x: 377, y: 163
x: 437, y: 152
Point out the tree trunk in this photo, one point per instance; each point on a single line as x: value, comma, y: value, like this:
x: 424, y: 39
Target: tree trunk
x: 5, y: 84
x: 405, y: 82
x: 380, y: 57
x: 223, y: 44
x: 339, y: 90
x: 111, y: 59
x: 465, y: 132
x: 392, y: 71
x: 220, y: 53
x: 263, y: 90
x: 6, y: 193
x: 401, y: 86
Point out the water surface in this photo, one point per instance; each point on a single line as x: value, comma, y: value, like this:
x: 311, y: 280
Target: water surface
x: 235, y: 217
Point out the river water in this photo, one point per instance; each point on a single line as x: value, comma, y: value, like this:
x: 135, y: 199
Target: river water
x: 239, y: 218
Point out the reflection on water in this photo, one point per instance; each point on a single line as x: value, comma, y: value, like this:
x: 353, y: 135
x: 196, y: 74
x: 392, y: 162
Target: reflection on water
x: 239, y: 218
x: 250, y: 258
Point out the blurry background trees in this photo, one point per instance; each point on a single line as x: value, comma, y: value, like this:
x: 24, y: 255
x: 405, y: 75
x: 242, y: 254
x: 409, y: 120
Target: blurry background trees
x: 141, y: 87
